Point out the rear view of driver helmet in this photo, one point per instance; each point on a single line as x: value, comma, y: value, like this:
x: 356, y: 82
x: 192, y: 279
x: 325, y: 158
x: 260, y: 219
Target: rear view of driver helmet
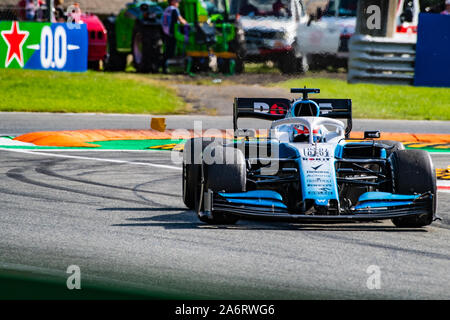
x: 301, y: 134
x: 305, y: 108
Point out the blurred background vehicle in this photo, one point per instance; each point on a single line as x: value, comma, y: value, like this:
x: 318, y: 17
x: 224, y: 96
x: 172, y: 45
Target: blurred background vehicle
x: 211, y: 32
x: 407, y: 17
x: 270, y: 31
x: 97, y: 40
x: 324, y: 39
x: 135, y: 30
x: 291, y: 35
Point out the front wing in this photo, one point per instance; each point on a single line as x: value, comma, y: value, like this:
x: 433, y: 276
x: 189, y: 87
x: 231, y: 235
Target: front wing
x: 217, y: 203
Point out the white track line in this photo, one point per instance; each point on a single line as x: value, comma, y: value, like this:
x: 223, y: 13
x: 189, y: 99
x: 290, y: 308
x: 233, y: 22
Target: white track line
x: 92, y: 159
x: 440, y: 183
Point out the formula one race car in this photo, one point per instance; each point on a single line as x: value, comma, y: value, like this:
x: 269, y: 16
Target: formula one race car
x: 306, y: 169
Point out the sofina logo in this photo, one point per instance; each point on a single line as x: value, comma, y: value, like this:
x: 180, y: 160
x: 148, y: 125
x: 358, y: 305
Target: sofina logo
x: 33, y: 45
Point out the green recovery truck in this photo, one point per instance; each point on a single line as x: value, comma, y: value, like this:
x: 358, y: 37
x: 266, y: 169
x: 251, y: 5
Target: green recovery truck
x: 211, y: 32
x: 136, y: 30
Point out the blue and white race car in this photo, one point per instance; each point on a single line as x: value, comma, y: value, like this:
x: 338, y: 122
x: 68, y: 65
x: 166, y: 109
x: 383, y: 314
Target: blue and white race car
x: 306, y: 169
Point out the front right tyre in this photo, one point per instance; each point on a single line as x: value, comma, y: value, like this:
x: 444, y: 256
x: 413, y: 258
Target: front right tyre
x: 224, y: 170
x: 227, y: 173
x: 413, y: 173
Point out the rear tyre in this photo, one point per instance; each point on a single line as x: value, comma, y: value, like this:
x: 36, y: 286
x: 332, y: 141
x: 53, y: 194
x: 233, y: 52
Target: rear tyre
x: 413, y: 173
x: 147, y: 48
x: 94, y: 65
x: 314, y: 62
x: 238, y: 47
x: 114, y: 60
x: 200, y: 64
x: 291, y: 64
x: 227, y: 174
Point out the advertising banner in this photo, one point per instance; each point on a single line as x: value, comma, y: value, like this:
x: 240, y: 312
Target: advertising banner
x: 43, y: 46
x: 432, y: 68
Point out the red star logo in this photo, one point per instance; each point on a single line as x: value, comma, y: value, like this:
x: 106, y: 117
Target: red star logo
x: 15, y: 40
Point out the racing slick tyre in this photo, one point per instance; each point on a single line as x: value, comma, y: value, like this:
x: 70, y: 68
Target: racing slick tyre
x: 227, y: 173
x: 114, y: 60
x: 413, y: 173
x: 94, y: 65
x: 224, y: 170
x: 290, y: 64
x: 225, y: 66
x: 200, y: 64
x: 238, y: 47
x: 147, y: 48
x: 391, y: 146
x: 192, y: 163
x: 314, y: 62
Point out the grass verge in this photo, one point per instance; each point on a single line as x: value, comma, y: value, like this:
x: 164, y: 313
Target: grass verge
x: 47, y: 91
x: 375, y: 101
x: 23, y: 285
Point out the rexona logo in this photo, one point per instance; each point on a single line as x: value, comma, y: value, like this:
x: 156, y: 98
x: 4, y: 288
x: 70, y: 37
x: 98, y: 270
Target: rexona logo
x: 276, y: 108
x: 43, y: 46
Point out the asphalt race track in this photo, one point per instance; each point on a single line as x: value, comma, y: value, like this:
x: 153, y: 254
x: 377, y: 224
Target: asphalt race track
x: 119, y: 216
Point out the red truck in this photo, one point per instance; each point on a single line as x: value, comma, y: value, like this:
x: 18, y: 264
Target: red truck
x: 97, y: 36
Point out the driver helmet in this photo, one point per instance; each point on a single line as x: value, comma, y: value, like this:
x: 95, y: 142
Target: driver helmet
x: 305, y: 108
x: 301, y: 134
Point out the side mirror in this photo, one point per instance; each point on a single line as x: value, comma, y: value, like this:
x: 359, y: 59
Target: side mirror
x: 245, y: 133
x: 371, y: 134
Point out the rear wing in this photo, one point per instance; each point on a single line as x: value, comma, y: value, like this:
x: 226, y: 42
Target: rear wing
x: 337, y: 109
x: 261, y: 108
x: 276, y: 108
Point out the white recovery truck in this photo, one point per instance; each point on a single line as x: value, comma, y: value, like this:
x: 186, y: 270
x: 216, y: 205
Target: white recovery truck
x: 270, y: 28
x: 324, y: 39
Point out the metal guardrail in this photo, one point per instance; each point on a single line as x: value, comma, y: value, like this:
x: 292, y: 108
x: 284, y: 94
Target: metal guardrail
x: 381, y: 60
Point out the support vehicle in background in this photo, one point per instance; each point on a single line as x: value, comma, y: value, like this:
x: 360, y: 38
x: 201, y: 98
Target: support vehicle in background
x: 270, y: 31
x: 97, y: 40
x: 211, y: 31
x: 135, y: 30
x: 407, y: 18
x: 306, y: 169
x: 324, y: 39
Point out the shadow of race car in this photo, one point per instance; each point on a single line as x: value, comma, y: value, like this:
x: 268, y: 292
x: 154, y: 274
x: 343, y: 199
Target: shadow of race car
x: 306, y: 169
